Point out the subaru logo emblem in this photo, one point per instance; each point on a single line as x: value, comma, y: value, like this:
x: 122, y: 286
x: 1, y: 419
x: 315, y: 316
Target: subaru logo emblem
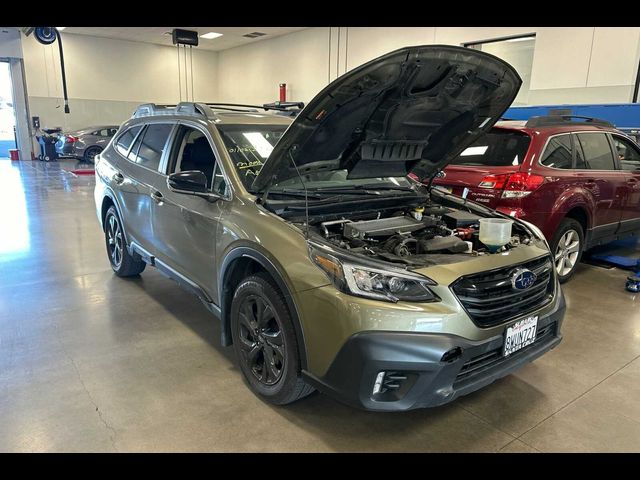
x: 522, y: 279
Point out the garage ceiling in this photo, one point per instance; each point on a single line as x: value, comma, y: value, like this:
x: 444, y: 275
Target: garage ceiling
x: 232, y: 36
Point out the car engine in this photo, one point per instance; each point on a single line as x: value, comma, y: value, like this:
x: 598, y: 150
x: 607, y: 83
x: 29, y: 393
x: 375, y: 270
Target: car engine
x: 419, y: 236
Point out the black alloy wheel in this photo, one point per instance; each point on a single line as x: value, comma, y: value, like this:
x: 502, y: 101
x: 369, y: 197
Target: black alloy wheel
x: 265, y: 341
x: 115, y: 243
x: 123, y: 263
x: 260, y: 336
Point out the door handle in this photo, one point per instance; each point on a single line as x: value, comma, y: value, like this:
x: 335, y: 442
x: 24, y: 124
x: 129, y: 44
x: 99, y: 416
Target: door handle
x: 118, y: 178
x: 632, y: 181
x: 157, y: 196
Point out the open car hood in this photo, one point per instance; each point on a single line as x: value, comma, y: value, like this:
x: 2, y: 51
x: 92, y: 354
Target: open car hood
x: 413, y: 109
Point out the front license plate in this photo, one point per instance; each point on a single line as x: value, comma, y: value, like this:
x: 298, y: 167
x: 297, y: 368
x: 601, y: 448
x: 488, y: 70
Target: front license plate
x: 520, y: 334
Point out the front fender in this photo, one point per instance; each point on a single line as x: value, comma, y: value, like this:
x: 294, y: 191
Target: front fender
x: 257, y: 253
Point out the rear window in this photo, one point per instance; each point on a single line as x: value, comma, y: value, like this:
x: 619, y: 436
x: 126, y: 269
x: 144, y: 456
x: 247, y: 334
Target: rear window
x: 152, y: 145
x: 498, y: 148
x: 125, y: 140
x: 558, y: 152
x: 597, y: 151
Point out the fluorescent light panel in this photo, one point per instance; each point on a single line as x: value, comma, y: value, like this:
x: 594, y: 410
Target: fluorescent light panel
x: 60, y: 28
x: 211, y: 35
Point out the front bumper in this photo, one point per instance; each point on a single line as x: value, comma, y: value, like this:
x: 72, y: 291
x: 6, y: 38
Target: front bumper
x: 418, y: 357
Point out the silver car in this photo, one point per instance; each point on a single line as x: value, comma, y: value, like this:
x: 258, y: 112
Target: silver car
x: 85, y: 143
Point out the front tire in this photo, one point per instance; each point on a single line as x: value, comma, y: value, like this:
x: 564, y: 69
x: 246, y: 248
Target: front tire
x: 122, y: 263
x: 567, y: 247
x: 265, y: 343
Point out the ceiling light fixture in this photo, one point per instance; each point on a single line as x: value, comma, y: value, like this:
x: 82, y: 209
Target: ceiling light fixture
x: 211, y: 35
x: 254, y: 34
x: 60, y: 28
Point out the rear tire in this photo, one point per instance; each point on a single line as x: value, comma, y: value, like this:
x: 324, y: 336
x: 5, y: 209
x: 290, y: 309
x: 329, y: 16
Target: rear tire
x: 567, y: 246
x: 265, y: 342
x: 122, y: 263
x: 90, y: 154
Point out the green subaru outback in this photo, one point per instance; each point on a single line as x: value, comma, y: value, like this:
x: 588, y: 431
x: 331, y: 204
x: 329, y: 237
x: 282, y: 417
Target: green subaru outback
x: 328, y: 266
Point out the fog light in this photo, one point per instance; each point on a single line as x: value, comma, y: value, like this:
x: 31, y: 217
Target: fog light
x: 378, y: 385
x: 392, y: 385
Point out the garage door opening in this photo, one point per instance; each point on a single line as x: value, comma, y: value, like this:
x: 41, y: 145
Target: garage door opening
x: 7, y: 112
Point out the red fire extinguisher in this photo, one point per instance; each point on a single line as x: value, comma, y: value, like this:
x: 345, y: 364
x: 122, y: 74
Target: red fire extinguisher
x: 283, y: 92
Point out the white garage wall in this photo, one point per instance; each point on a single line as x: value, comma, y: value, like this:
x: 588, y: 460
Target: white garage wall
x: 251, y: 74
x: 107, y: 79
x: 570, y: 64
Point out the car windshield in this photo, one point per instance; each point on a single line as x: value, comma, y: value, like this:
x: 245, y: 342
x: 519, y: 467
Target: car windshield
x: 498, y: 148
x: 249, y: 146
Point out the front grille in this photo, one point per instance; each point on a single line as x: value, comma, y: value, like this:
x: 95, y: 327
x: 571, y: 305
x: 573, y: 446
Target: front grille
x: 489, y: 298
x: 485, y: 361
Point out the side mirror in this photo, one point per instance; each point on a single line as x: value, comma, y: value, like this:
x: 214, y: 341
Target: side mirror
x: 191, y: 182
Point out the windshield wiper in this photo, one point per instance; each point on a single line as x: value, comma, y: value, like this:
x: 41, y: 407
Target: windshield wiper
x: 364, y: 188
x: 321, y: 193
x: 294, y: 192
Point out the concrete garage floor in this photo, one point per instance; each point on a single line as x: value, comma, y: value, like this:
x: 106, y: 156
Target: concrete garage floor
x: 91, y: 362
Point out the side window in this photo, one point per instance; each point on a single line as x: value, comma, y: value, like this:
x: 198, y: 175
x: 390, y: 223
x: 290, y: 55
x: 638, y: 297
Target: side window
x: 558, y: 152
x: 153, y: 144
x: 597, y: 151
x: 627, y: 152
x: 192, y: 151
x: 125, y: 140
x: 580, y: 163
x: 133, y: 154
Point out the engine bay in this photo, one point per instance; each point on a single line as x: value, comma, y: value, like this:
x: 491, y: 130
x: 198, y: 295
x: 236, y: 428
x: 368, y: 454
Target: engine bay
x: 417, y: 236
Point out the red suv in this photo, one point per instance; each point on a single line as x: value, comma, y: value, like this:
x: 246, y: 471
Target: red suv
x: 578, y: 180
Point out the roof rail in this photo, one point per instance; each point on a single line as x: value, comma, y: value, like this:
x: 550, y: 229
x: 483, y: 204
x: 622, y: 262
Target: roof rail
x: 241, y: 109
x: 283, y: 105
x: 183, y: 108
x: 279, y: 106
x: 206, y: 109
x: 557, y: 120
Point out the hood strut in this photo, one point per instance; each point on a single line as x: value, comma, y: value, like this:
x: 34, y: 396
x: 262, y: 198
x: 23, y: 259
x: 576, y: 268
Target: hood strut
x: 306, y: 193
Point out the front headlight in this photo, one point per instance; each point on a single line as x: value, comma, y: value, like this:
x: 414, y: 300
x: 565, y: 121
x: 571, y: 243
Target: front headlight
x: 369, y: 282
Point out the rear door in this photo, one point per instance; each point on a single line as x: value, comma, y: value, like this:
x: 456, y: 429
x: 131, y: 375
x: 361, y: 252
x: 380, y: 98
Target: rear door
x: 486, y: 162
x: 629, y: 161
x: 596, y: 171
x: 138, y: 172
